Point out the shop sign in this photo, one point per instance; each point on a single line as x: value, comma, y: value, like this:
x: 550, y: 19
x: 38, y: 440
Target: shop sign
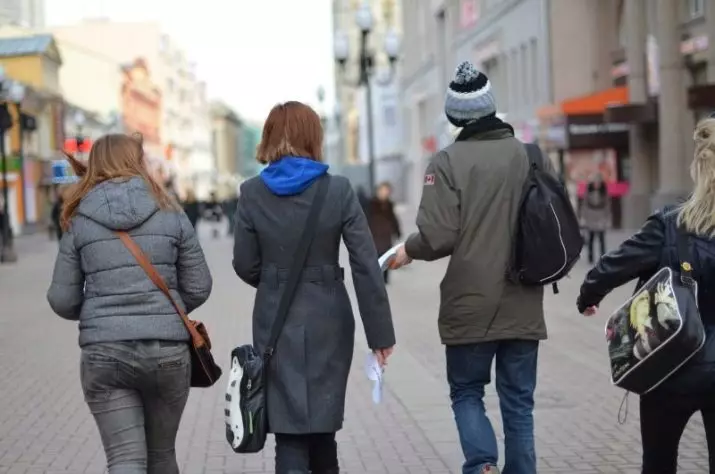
x: 469, y: 14
x: 591, y: 132
x: 62, y: 172
x: 13, y: 164
x: 596, y: 128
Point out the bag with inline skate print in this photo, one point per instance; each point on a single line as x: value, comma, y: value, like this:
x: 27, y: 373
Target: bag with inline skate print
x: 658, y: 329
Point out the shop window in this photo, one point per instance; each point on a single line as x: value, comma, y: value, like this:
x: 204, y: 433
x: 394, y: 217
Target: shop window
x: 699, y: 74
x: 696, y: 9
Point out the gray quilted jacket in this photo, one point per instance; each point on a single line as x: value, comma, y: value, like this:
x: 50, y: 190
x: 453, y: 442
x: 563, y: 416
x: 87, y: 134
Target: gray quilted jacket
x: 98, y: 282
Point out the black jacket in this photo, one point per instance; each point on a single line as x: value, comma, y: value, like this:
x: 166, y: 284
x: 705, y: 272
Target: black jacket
x: 651, y: 248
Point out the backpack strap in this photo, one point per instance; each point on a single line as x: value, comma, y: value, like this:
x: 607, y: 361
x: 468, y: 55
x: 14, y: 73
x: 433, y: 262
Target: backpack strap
x: 533, y: 152
x: 299, y: 257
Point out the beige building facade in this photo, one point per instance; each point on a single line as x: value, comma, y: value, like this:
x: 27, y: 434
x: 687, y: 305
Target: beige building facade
x: 227, y: 134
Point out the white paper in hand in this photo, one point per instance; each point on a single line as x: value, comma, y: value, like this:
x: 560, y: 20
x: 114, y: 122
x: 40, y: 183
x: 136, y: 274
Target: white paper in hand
x: 387, y: 257
x: 374, y: 373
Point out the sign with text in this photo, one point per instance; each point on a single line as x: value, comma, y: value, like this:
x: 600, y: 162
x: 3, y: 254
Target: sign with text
x: 469, y: 13
x: 589, y: 131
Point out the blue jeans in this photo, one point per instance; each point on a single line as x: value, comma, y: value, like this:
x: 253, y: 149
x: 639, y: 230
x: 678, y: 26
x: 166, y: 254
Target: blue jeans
x: 469, y: 371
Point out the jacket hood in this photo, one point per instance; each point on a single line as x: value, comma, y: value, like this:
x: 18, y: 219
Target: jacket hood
x: 119, y: 205
x: 292, y: 175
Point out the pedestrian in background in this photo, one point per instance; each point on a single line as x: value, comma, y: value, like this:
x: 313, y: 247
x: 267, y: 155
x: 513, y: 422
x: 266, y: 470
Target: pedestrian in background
x: 596, y: 215
x: 364, y: 199
x: 191, y: 207
x: 229, y: 209
x: 56, y: 213
x: 213, y: 214
x: 383, y: 222
x: 666, y: 410
x: 135, y: 360
x: 308, y: 374
x: 469, y: 210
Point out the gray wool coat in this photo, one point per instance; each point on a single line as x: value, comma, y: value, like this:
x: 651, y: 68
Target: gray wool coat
x: 308, y: 373
x: 99, y: 283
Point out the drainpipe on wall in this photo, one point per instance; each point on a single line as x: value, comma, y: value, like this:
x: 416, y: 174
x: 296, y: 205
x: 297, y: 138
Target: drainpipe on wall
x: 546, y: 47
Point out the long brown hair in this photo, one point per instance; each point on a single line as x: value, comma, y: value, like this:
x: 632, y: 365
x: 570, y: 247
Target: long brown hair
x: 293, y: 129
x: 112, y: 156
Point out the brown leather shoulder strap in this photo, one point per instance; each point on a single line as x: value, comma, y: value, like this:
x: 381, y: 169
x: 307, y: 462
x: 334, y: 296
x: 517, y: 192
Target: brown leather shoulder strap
x: 153, y: 275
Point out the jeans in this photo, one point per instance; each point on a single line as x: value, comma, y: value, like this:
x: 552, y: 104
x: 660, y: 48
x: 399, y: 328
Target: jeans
x: 136, y: 392
x: 306, y: 453
x: 469, y: 371
x: 592, y: 236
x: 664, y: 416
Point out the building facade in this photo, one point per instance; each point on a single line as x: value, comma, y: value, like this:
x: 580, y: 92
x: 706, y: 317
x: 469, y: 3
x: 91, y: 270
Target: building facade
x: 591, y: 81
x: 352, y: 151
x: 249, y: 143
x: 141, y: 107
x: 102, y: 95
x: 226, y: 133
x: 201, y: 159
x: 172, y: 71
x: 25, y: 13
x: 666, y: 60
x: 37, y: 132
x: 506, y: 39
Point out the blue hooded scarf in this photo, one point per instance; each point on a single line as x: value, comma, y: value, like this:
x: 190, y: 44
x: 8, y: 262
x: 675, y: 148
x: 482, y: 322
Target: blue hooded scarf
x: 292, y: 175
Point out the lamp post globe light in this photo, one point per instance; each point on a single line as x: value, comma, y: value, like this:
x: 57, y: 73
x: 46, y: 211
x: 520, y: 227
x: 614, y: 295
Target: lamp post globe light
x: 341, y: 49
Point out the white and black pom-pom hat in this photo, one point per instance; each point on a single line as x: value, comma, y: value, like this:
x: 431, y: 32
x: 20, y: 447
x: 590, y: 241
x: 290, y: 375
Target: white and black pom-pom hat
x: 469, y: 96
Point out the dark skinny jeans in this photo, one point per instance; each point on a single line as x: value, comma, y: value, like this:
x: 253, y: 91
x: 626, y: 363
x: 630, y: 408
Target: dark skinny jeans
x: 136, y: 392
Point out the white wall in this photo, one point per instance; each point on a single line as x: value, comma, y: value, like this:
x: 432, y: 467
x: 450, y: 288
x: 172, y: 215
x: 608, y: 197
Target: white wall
x: 89, y: 80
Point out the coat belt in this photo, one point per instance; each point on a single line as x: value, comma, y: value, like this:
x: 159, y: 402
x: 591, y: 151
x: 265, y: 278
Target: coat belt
x: 327, y: 274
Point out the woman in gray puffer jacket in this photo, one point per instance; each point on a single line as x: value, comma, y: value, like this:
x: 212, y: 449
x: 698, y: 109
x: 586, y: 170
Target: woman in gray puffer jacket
x: 135, y: 362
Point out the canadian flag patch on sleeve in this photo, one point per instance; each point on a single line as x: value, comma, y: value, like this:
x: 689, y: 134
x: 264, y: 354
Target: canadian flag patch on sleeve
x: 429, y: 179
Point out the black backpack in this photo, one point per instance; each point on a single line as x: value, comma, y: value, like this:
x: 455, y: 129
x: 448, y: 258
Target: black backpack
x: 548, y: 239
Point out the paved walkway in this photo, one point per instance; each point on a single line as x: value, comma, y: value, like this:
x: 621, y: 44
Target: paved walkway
x: 45, y: 426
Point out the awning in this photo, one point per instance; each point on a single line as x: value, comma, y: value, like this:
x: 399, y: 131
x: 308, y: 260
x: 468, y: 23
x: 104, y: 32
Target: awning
x: 595, y: 103
x: 590, y: 104
x: 578, y: 123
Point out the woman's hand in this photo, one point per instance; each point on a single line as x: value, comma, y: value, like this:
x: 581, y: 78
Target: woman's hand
x: 383, y: 354
x: 590, y: 311
x: 401, y: 258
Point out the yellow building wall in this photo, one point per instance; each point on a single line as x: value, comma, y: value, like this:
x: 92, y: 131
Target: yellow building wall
x: 40, y: 73
x: 26, y: 69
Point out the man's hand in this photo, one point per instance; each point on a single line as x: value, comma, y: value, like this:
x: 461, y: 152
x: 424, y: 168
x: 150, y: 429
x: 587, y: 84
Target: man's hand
x: 383, y: 354
x: 401, y: 258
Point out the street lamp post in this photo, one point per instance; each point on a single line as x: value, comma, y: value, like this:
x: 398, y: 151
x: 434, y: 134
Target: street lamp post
x: 79, y: 120
x: 16, y: 95
x: 364, y: 20
x: 323, y: 120
x: 10, y: 92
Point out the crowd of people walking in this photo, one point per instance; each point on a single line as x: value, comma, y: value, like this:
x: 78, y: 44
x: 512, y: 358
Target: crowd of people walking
x: 136, y: 352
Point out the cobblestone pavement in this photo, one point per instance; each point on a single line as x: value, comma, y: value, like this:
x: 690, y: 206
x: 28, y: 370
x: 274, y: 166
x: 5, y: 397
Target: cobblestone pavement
x: 45, y: 426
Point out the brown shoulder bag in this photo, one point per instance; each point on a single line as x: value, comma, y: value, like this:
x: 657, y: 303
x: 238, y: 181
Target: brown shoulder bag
x: 204, y: 370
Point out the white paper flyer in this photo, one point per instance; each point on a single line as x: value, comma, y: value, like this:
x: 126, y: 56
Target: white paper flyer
x: 386, y: 259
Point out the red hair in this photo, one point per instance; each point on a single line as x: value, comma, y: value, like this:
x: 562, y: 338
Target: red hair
x: 291, y: 129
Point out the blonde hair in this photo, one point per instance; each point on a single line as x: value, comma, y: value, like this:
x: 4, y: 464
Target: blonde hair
x: 111, y: 157
x: 697, y: 214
